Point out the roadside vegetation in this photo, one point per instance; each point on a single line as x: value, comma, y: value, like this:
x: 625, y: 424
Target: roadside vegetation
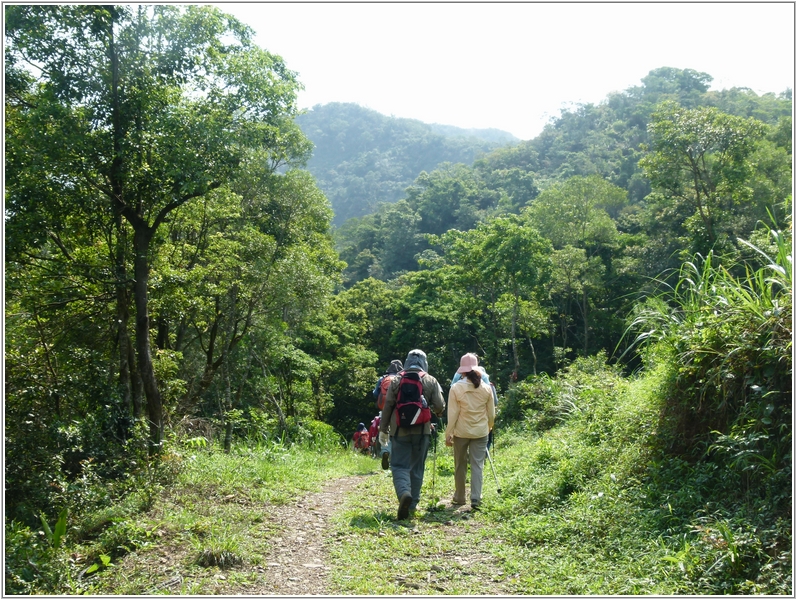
x: 201, y: 510
x: 606, y: 486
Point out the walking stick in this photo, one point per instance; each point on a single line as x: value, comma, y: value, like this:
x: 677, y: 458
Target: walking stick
x: 434, y: 460
x: 492, y: 466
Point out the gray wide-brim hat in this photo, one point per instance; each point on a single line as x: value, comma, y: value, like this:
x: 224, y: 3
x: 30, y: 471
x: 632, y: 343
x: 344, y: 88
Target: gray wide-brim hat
x: 416, y: 359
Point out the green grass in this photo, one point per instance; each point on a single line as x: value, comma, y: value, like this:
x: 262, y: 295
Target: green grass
x: 439, y: 551
x: 597, y: 506
x: 201, y: 525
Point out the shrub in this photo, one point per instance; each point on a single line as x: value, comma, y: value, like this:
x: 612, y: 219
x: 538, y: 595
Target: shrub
x: 33, y: 565
x: 731, y: 339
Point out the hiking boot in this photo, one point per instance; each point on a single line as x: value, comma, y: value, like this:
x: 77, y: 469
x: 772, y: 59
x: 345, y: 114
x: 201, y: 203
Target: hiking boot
x: 474, y: 506
x: 404, y: 506
x: 385, y: 460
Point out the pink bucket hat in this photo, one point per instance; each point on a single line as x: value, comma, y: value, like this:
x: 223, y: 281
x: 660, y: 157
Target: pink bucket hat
x: 467, y: 363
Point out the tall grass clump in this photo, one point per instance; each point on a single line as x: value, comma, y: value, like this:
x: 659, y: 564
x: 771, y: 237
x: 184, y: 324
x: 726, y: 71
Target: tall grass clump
x: 719, y: 487
x: 730, y: 340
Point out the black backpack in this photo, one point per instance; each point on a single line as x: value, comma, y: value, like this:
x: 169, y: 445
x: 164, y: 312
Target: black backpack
x: 411, y: 406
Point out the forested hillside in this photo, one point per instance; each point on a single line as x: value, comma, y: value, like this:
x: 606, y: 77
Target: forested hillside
x: 362, y: 158
x: 550, y: 243
x: 185, y: 327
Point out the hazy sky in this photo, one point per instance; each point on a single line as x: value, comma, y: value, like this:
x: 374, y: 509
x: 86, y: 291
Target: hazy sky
x: 514, y: 66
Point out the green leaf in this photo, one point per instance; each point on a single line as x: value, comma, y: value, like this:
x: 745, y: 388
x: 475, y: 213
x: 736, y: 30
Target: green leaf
x: 48, y: 532
x: 60, y: 529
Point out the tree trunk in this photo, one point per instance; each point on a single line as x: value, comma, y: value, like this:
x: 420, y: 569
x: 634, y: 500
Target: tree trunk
x: 584, y: 303
x: 127, y: 379
x: 516, y: 373
x: 534, y: 355
x: 135, y: 381
x: 227, y: 422
x: 227, y: 436
x: 318, y: 392
x: 280, y: 414
x: 143, y: 236
x: 123, y: 317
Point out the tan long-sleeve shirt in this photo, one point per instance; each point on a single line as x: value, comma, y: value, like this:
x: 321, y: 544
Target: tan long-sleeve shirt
x: 471, y: 410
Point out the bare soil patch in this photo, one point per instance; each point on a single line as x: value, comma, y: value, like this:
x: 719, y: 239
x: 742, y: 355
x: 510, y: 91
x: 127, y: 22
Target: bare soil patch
x: 298, y: 564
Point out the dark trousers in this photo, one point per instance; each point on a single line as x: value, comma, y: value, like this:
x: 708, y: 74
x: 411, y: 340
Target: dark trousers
x: 407, y: 462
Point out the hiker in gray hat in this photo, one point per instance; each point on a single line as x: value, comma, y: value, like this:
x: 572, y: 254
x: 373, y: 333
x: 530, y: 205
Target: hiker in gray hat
x: 406, y: 423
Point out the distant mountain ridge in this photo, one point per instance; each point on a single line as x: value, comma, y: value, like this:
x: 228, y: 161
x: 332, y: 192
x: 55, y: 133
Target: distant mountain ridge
x: 363, y: 158
x: 491, y: 135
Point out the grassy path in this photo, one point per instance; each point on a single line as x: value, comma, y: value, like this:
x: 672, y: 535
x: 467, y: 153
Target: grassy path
x: 224, y: 535
x: 446, y: 550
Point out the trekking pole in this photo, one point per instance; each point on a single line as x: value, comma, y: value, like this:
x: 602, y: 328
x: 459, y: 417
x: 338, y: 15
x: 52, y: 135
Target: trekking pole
x: 434, y: 460
x: 492, y: 466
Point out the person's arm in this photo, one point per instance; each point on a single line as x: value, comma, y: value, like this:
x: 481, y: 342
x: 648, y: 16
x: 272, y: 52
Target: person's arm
x: 491, y: 412
x: 453, y: 414
x: 434, y: 395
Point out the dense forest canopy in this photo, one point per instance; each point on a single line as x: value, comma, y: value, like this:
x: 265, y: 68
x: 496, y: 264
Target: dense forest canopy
x: 172, y: 266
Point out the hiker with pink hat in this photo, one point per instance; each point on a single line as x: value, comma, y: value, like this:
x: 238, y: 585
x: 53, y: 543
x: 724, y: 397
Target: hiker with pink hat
x: 471, y: 415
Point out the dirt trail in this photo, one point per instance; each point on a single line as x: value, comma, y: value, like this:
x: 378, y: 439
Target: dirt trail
x: 298, y: 564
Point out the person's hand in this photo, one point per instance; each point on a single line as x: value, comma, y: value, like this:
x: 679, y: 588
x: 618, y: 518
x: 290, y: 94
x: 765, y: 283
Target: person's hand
x: 384, y: 440
x: 449, y: 439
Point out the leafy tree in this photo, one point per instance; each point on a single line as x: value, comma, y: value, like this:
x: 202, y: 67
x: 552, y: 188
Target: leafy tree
x: 699, y: 162
x: 485, y: 284
x: 513, y: 258
x: 435, y: 312
x: 381, y: 245
x: 151, y: 107
x: 511, y: 171
x: 337, y: 338
x: 579, y: 212
x: 744, y: 102
x: 575, y: 278
x: 400, y: 239
x: 578, y: 216
x: 451, y: 197
x: 236, y: 263
x: 684, y: 86
x: 378, y: 301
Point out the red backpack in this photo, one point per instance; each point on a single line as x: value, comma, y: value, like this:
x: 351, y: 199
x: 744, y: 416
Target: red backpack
x: 411, y: 406
x: 380, y: 399
x: 363, y: 440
